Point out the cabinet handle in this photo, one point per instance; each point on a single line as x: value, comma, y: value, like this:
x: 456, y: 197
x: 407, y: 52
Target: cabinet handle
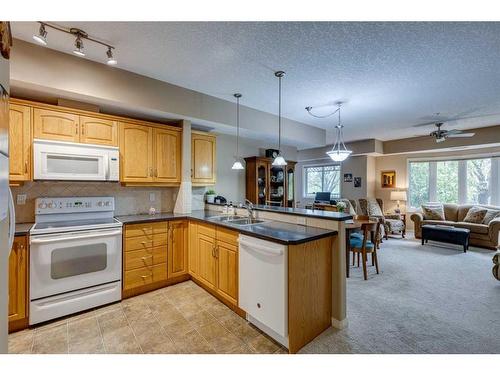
x: 83, y: 129
x: 156, y: 172
x: 217, y: 251
x: 213, y: 251
x: 150, y: 171
x: 76, y: 128
x: 26, y: 166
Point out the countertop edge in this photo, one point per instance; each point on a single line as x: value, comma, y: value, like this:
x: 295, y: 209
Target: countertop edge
x: 309, y: 213
x: 240, y: 230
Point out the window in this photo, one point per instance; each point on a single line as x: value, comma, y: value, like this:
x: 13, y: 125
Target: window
x: 472, y: 181
x: 322, y: 178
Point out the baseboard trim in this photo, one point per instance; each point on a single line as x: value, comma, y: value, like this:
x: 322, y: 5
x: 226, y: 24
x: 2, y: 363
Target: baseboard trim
x: 339, y: 324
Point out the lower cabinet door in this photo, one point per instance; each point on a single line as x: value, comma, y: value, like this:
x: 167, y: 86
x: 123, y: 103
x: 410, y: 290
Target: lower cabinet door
x: 227, y: 263
x: 18, y: 267
x: 207, y: 261
x: 177, y: 248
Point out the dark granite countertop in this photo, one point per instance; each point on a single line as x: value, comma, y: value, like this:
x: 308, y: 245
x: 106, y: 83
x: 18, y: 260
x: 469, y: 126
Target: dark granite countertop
x: 276, y: 231
x: 23, y: 229
x: 328, y: 215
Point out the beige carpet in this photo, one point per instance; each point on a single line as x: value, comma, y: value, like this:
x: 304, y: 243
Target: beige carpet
x: 427, y: 299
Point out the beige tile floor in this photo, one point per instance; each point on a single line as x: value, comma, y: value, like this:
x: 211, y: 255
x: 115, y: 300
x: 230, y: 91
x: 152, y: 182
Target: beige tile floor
x: 182, y: 318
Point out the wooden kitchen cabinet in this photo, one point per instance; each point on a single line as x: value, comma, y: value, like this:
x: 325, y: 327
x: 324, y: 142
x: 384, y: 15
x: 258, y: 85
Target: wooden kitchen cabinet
x: 19, y: 143
x: 18, y: 284
x: 177, y: 263
x: 98, y: 131
x: 56, y: 125
x: 193, y: 257
x: 150, y: 155
x: 227, y: 265
x: 214, y: 260
x: 136, y: 153
x: 167, y: 155
x: 203, y: 156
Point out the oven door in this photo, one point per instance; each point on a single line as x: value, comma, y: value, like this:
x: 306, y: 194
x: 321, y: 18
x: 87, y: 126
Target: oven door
x: 70, y: 261
x: 55, y: 160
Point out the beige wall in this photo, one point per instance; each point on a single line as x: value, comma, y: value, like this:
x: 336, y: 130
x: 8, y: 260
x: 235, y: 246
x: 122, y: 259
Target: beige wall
x: 399, y: 163
x: 128, y: 200
x: 53, y: 74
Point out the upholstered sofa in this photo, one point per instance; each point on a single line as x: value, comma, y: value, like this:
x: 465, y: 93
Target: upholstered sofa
x: 483, y: 235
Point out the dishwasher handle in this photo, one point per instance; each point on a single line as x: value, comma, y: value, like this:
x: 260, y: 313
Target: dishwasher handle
x: 253, y: 246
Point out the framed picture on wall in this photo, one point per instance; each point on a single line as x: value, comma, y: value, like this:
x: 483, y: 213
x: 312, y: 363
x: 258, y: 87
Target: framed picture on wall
x: 357, y: 182
x: 347, y: 177
x: 388, y: 179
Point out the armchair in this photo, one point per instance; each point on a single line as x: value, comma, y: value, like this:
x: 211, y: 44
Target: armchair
x: 374, y: 208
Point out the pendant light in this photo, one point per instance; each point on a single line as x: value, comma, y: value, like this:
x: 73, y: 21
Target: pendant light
x: 79, y: 51
x: 279, y: 160
x: 237, y: 165
x: 339, y: 151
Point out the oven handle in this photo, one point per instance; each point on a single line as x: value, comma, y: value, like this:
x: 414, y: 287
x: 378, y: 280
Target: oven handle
x: 66, y: 238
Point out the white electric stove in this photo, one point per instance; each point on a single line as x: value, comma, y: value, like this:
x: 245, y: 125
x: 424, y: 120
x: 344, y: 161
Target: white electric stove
x: 75, y: 256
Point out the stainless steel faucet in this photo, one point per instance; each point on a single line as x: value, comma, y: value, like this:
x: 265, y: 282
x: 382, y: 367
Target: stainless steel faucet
x: 249, y: 206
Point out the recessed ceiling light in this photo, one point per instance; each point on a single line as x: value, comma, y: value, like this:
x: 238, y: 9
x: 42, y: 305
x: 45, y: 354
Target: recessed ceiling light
x: 41, y: 37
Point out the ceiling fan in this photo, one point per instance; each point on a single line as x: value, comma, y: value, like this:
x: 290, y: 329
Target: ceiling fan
x: 441, y: 135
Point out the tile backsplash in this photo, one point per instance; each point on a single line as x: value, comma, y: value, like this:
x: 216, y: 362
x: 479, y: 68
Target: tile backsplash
x: 128, y: 200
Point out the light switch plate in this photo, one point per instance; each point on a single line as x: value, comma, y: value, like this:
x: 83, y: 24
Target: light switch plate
x: 21, y: 199
x: 152, y: 197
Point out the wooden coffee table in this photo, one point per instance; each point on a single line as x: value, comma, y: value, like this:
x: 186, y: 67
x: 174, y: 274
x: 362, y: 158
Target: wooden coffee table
x: 447, y: 234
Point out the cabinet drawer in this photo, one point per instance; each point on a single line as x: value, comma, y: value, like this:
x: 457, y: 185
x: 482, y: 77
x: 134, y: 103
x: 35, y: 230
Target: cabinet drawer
x: 144, y: 276
x: 138, y: 243
x: 145, y: 258
x: 207, y: 230
x: 227, y: 235
x: 145, y: 229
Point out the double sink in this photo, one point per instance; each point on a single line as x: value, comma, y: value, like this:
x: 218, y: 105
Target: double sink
x: 236, y: 220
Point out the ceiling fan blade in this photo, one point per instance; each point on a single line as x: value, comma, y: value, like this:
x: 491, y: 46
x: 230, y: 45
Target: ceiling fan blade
x: 460, y: 135
x: 426, y: 124
x: 452, y: 131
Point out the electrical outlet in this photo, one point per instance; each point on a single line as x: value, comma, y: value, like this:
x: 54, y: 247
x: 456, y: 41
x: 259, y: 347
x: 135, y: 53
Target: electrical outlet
x: 152, y: 197
x: 21, y: 199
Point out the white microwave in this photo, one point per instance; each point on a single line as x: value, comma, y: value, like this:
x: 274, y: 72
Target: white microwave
x: 56, y: 160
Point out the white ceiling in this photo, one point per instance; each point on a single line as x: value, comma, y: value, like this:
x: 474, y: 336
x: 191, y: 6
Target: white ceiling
x: 391, y: 75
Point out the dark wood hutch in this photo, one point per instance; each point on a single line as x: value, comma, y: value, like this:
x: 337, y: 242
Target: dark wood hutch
x: 268, y: 184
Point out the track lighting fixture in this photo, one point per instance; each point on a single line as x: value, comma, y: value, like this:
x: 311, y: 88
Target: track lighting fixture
x: 79, y: 35
x: 79, y: 47
x: 111, y: 59
x: 41, y: 37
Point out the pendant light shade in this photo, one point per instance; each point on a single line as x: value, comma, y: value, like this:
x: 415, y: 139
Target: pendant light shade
x: 279, y: 160
x: 41, y: 37
x: 237, y: 165
x: 339, y: 151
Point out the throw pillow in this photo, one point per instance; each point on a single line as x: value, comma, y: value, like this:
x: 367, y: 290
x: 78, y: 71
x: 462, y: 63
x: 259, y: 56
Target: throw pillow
x: 373, y: 208
x: 475, y: 215
x: 490, y: 215
x: 433, y: 212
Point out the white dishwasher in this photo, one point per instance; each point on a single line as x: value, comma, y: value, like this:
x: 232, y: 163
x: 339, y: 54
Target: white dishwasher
x: 263, y: 285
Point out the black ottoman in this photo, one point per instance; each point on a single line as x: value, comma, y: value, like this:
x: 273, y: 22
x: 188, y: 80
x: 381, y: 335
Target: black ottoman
x: 447, y: 234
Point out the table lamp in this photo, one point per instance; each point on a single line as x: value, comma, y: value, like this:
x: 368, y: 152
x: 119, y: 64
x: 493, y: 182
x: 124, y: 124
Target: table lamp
x: 398, y: 196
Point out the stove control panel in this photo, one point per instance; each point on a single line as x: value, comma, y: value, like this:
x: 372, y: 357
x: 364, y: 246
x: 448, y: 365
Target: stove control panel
x: 73, y: 205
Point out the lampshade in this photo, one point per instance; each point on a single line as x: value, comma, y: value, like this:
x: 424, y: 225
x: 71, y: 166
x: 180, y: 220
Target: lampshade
x: 237, y: 165
x: 398, y: 196
x: 279, y: 161
x: 339, y: 155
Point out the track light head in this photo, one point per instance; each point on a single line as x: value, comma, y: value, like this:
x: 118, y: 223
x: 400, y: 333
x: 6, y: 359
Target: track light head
x: 111, y: 59
x: 41, y: 37
x: 79, y: 51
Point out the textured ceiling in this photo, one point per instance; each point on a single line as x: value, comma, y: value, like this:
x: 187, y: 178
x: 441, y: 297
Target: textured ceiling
x: 391, y: 75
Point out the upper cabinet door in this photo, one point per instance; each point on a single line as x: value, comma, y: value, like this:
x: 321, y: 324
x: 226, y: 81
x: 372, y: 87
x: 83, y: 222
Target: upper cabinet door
x: 167, y: 155
x: 98, y: 131
x: 136, y: 153
x: 19, y: 143
x: 202, y: 159
x: 55, y: 125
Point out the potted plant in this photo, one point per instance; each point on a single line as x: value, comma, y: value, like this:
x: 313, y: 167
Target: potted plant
x: 210, y: 194
x: 341, y: 206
